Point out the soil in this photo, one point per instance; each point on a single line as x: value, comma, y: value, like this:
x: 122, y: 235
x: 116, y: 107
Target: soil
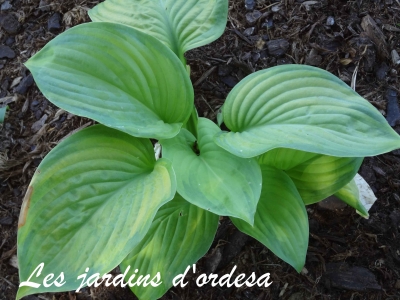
x: 348, y: 257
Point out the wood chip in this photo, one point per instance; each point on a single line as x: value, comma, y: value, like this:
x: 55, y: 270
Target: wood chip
x: 376, y: 35
x: 205, y: 75
x: 343, y: 276
x: 389, y: 27
x: 16, y: 81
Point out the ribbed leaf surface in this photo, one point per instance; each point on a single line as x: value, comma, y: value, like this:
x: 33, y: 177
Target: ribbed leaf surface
x: 281, y: 221
x: 316, y: 176
x: 180, y: 234
x: 304, y: 108
x: 117, y: 76
x: 91, y: 200
x: 180, y: 24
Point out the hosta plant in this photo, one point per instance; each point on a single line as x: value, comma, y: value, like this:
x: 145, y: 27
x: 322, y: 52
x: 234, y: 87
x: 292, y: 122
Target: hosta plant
x: 99, y: 199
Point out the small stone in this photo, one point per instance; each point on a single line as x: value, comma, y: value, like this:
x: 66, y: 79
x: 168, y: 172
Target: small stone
x: 224, y: 70
x: 34, y: 105
x: 252, y: 17
x: 313, y: 59
x: 330, y: 21
x: 54, y: 23
x: 255, y: 56
x: 230, y: 81
x: 9, y: 23
x: 277, y: 47
x: 44, y: 5
x: 6, y: 52
x: 276, y: 8
x: 395, y: 57
x: 249, y: 31
x: 393, y: 110
x: 269, y: 24
x: 381, y: 72
x: 249, y: 4
x: 6, y: 6
x: 24, y: 85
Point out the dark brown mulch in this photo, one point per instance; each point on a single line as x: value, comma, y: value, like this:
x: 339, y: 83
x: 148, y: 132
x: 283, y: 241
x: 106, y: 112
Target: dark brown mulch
x: 348, y: 257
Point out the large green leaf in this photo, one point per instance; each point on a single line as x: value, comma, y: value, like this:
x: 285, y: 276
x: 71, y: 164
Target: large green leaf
x: 180, y: 24
x: 305, y: 108
x: 351, y: 196
x: 91, y: 200
x: 180, y: 234
x: 213, y: 179
x: 281, y: 221
x: 117, y: 76
x: 316, y: 176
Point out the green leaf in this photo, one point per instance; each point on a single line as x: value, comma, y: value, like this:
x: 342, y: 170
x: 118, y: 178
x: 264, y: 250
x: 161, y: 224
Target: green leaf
x: 213, y: 179
x: 281, y: 221
x: 191, y: 124
x: 180, y: 234
x: 304, y: 108
x: 91, y: 200
x: 180, y: 24
x: 2, y: 113
x: 316, y: 176
x: 351, y: 196
x: 117, y: 76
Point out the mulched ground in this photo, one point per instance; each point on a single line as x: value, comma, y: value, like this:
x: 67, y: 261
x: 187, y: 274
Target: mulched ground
x: 348, y: 257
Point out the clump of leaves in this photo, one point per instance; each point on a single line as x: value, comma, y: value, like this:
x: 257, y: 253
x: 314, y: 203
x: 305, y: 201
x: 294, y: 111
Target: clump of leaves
x: 101, y: 199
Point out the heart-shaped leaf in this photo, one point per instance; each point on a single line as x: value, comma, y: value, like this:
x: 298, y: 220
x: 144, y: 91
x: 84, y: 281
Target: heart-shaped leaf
x: 97, y: 191
x: 117, y: 76
x: 180, y: 234
x: 180, y: 24
x: 316, y: 176
x: 212, y: 178
x: 351, y: 196
x: 281, y: 221
x: 304, y: 108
